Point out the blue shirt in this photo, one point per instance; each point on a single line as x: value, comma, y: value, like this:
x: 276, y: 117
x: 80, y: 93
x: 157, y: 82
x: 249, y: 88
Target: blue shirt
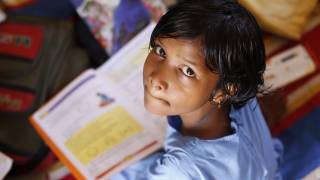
x: 248, y: 153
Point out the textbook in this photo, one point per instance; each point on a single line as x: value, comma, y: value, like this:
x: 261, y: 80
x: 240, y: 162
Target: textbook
x: 113, y: 22
x: 97, y: 124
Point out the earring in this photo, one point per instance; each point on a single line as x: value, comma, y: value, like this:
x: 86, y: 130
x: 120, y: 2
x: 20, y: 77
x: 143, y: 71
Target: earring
x: 215, y: 101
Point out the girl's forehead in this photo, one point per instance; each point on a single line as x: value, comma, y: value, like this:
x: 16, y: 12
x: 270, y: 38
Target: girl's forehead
x: 180, y: 44
x: 196, y: 40
x: 189, y: 50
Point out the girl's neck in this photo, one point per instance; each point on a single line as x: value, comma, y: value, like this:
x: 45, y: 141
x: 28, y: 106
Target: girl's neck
x: 209, y: 122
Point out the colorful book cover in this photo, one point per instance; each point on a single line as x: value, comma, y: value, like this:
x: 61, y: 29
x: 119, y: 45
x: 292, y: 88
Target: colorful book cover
x: 114, y: 22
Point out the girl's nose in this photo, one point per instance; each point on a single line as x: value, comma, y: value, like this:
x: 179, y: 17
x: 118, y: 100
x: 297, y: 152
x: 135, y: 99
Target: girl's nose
x: 158, y: 84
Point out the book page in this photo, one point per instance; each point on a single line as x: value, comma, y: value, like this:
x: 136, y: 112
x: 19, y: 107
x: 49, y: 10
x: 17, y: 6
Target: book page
x: 96, y: 127
x: 126, y: 70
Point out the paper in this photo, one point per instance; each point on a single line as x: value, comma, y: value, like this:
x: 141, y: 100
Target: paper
x: 102, y: 134
x: 5, y: 165
x: 92, y: 127
x: 288, y: 66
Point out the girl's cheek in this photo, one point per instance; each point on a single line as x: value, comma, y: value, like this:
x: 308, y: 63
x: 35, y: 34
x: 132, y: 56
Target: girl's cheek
x: 148, y: 65
x: 186, y: 81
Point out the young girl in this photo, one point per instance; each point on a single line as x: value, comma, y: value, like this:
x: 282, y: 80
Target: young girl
x: 204, y: 70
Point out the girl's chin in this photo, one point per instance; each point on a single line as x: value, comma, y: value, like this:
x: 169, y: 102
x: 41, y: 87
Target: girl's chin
x: 157, y: 108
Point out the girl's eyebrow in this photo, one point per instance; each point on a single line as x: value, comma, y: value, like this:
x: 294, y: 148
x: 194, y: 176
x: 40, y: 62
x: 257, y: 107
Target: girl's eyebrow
x: 157, y: 41
x: 189, y: 61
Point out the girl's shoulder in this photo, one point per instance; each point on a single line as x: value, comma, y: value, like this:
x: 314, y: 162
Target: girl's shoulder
x: 223, y: 158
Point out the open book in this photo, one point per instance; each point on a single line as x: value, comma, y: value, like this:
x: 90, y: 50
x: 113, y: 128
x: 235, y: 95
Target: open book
x: 97, y: 125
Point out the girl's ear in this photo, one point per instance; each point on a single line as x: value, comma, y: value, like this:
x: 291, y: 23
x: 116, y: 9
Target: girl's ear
x: 218, y: 97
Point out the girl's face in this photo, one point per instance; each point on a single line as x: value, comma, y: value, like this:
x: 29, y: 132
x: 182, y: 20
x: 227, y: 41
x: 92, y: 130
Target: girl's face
x: 176, y: 79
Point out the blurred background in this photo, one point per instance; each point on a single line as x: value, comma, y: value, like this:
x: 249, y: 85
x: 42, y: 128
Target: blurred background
x: 44, y: 44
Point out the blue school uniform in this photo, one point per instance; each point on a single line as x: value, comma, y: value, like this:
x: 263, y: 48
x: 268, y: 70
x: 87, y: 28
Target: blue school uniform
x: 248, y: 153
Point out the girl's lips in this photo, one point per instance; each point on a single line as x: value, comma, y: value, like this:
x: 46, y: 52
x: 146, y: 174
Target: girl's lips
x: 154, y: 97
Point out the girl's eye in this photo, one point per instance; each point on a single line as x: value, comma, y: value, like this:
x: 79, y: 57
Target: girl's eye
x: 187, y: 71
x: 160, y: 51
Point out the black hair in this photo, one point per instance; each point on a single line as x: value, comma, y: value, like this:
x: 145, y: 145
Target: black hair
x: 231, y: 39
